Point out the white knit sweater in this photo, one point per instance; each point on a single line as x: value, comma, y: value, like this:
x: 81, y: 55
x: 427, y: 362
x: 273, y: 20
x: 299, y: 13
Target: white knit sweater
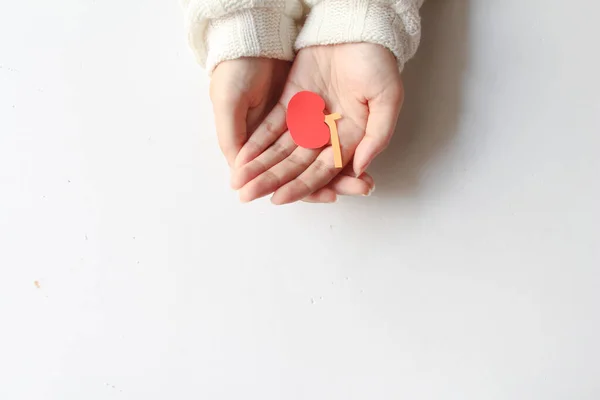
x: 222, y: 30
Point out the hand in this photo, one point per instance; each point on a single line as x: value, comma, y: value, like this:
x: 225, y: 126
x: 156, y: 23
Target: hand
x: 243, y: 92
x: 360, y: 81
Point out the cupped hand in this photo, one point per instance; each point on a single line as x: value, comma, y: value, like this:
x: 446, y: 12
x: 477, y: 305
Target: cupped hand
x: 243, y: 92
x: 360, y: 81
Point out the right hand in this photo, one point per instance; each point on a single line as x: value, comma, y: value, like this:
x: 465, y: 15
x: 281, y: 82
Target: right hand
x: 243, y: 93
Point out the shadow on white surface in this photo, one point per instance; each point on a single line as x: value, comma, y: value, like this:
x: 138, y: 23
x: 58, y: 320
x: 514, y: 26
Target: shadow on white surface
x: 430, y: 117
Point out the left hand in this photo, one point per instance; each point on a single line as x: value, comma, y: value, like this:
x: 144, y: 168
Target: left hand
x: 360, y: 81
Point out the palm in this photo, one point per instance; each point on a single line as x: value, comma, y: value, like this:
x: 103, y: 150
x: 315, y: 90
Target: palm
x: 243, y: 92
x: 347, y: 77
x: 358, y: 81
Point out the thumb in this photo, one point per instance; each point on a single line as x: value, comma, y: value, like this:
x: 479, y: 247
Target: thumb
x: 381, y: 123
x: 230, y: 122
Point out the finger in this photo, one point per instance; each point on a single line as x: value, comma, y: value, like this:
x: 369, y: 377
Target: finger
x: 351, y: 186
x: 361, y: 185
x: 230, y: 121
x: 381, y: 123
x: 317, y: 175
x: 324, y: 195
x: 368, y: 179
x: 348, y: 171
x: 344, y: 185
x: 290, y: 168
x: 265, y: 135
x: 276, y: 153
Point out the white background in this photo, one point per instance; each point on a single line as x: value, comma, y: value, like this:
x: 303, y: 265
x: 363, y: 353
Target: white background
x: 471, y: 273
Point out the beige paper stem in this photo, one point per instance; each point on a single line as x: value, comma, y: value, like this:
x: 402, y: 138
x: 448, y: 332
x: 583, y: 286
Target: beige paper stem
x: 335, y: 139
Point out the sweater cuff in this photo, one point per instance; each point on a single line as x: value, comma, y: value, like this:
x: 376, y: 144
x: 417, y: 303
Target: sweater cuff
x: 354, y: 21
x: 258, y: 32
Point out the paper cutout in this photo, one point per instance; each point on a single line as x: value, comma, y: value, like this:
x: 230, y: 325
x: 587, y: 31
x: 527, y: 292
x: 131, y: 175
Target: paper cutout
x: 335, y: 139
x: 310, y: 127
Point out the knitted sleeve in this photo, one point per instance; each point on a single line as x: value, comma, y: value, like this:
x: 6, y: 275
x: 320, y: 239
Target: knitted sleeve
x: 394, y: 24
x: 220, y: 30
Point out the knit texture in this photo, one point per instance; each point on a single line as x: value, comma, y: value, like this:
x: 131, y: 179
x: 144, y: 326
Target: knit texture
x: 394, y: 24
x: 220, y: 30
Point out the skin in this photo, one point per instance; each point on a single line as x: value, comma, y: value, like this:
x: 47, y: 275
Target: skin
x: 243, y: 92
x: 360, y: 81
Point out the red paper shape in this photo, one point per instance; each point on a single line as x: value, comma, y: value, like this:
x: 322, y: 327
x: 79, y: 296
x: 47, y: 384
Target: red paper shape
x: 306, y: 120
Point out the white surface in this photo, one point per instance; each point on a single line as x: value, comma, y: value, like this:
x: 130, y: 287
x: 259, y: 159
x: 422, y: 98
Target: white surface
x: 472, y: 273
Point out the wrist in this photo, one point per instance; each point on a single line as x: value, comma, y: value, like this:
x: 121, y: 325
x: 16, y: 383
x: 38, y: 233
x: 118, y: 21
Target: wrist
x: 259, y: 32
x: 355, y: 21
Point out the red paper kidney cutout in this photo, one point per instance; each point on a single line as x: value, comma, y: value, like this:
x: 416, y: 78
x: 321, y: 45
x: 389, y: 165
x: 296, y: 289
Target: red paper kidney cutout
x: 306, y: 120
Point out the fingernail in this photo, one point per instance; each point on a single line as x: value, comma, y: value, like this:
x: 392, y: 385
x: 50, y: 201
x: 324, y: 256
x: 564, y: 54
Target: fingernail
x: 362, y: 169
x: 370, y: 191
x: 367, y: 179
